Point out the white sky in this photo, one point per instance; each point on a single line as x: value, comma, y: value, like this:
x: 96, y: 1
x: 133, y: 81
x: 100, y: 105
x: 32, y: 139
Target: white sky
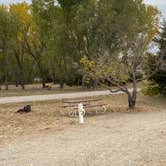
x: 161, y: 4
x: 12, y: 1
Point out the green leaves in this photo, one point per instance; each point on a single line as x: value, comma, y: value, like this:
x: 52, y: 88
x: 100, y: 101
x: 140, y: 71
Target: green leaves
x: 116, y: 35
x: 69, y: 4
x: 159, y: 62
x: 112, y: 35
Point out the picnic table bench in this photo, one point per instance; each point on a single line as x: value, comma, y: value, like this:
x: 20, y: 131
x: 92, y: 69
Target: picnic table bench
x: 90, y: 105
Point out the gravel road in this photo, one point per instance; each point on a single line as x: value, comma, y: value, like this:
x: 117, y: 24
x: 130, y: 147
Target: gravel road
x: 19, y: 99
x: 115, y: 139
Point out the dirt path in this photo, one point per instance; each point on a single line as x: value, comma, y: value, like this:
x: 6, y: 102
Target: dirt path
x: 19, y: 99
x: 116, y: 139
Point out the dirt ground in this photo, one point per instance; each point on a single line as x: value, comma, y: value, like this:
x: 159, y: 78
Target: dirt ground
x: 118, y: 138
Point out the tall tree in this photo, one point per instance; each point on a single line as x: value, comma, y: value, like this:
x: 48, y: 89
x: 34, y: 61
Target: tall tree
x: 62, y: 43
x: 36, y: 44
x: 23, y: 13
x: 8, y: 27
x: 121, y: 41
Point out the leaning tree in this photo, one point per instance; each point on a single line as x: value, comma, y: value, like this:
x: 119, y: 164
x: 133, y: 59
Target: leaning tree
x: 118, y: 45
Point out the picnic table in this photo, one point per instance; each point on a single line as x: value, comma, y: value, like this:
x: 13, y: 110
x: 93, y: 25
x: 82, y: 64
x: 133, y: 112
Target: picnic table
x: 90, y: 105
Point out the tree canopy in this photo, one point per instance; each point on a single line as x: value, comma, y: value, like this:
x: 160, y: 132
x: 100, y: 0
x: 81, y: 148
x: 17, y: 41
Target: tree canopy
x: 89, y: 42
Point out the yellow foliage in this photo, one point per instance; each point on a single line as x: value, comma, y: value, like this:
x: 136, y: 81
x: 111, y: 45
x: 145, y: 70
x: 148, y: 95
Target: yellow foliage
x: 24, y: 15
x: 23, y: 11
x: 152, y: 21
x: 3, y: 7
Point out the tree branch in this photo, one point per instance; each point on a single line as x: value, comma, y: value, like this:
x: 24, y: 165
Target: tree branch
x: 122, y: 88
x: 109, y: 88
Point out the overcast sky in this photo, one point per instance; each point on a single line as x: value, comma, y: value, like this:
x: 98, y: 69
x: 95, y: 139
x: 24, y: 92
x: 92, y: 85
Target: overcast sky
x: 161, y: 4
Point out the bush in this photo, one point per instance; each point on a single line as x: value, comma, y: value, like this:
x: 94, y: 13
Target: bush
x: 154, y: 90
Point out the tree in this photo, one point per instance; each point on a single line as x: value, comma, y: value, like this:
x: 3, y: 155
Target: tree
x: 62, y: 50
x: 159, y: 76
x: 119, y: 44
x: 36, y: 40
x: 8, y: 28
x: 23, y: 13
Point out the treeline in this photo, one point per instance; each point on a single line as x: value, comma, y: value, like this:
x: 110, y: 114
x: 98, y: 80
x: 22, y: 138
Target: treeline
x: 158, y: 84
x: 36, y: 43
x: 47, y: 39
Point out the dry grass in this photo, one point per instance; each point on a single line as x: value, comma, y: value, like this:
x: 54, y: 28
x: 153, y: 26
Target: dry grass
x: 45, y: 116
x: 36, y: 89
x: 144, y: 103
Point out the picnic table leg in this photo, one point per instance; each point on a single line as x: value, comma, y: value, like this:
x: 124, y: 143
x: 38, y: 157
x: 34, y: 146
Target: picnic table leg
x: 71, y: 112
x: 81, y: 113
x: 104, y: 109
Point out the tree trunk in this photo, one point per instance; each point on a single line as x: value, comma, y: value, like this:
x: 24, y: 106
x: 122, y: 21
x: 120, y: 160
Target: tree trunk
x: 19, y: 59
x: 22, y: 79
x: 6, y: 83
x: 5, y: 60
x: 131, y: 101
x: 16, y: 83
x: 133, y: 96
x: 42, y: 74
x: 95, y: 84
x: 53, y: 71
x: 53, y: 77
x: 6, y: 68
x: 29, y: 78
x: 36, y: 55
x: 43, y: 84
x: 62, y: 85
x: 22, y: 84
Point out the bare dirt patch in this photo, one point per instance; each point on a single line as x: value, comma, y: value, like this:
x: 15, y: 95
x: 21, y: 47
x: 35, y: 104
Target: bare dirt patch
x: 120, y: 137
x: 45, y: 116
x: 116, y: 139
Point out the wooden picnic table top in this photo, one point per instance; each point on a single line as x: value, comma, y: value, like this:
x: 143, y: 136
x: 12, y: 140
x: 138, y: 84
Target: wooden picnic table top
x: 82, y: 100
